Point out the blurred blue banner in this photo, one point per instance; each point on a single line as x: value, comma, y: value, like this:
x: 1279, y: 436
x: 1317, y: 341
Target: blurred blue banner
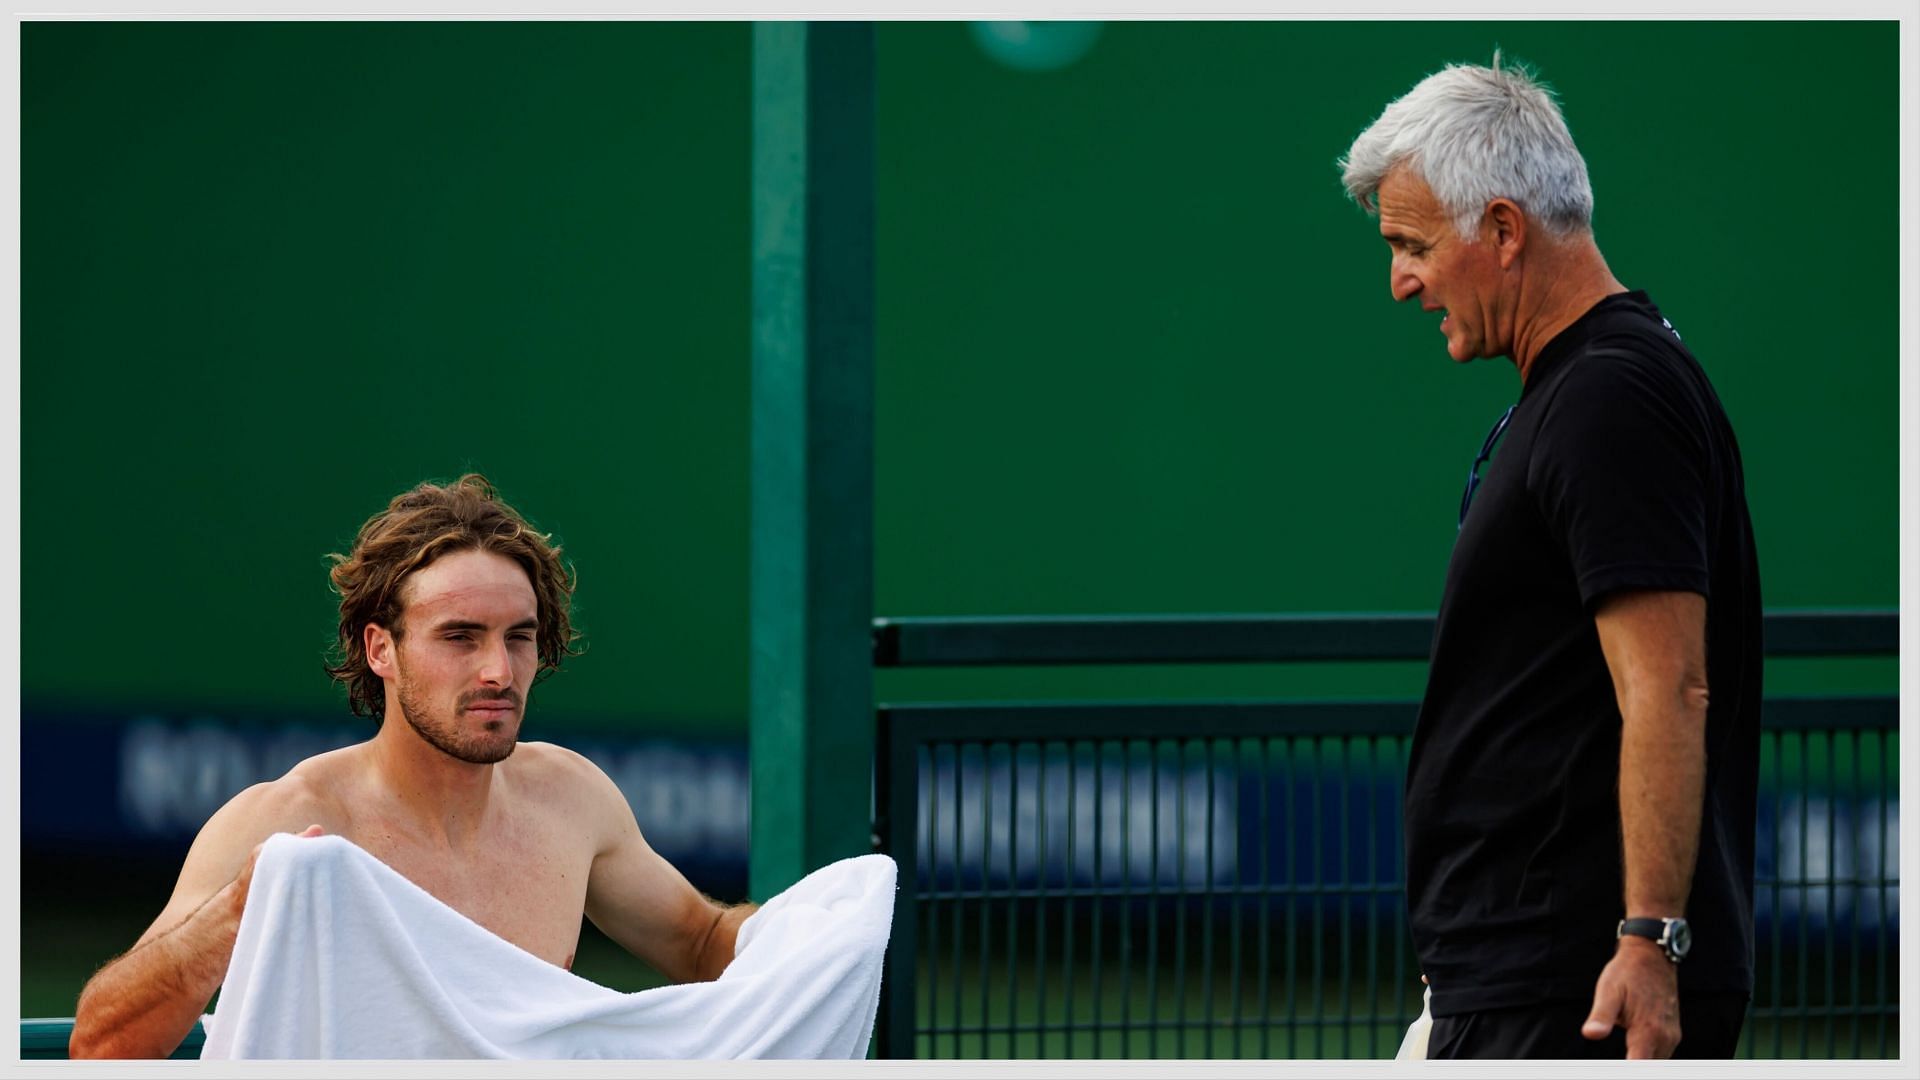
x: 1328, y: 821
x: 141, y: 786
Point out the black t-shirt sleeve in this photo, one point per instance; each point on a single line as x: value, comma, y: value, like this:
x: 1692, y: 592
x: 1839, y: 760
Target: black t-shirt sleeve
x: 1620, y: 470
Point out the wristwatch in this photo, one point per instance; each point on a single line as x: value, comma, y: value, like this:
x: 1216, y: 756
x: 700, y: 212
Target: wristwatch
x: 1673, y: 936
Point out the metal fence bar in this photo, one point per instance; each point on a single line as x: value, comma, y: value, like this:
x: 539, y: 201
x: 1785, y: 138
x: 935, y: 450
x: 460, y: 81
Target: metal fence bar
x: 1191, y: 639
x: 1266, y: 901
x: 1126, y: 910
x: 1013, y: 721
x: 1013, y: 905
x: 986, y: 910
x: 1153, y: 906
x: 946, y: 642
x: 1099, y: 867
x: 1373, y: 924
x: 1833, y: 795
x: 1853, y: 938
x: 1234, y: 950
x: 1775, y: 952
x: 1401, y: 935
x: 930, y: 815
x: 1888, y: 756
x: 897, y: 831
x: 1210, y: 860
x: 1317, y: 784
x: 1293, y: 981
x: 1040, y: 916
x: 1803, y: 886
x: 1346, y: 909
x: 1179, y: 909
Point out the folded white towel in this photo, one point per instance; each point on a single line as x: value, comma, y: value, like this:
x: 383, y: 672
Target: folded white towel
x: 1414, y: 1046
x: 338, y: 956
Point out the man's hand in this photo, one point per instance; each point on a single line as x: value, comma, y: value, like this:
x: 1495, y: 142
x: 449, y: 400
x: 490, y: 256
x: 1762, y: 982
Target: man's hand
x: 242, y: 882
x: 232, y: 897
x: 1639, y: 990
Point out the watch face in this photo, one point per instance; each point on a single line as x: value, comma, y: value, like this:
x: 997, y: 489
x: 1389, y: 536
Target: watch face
x: 1680, y: 938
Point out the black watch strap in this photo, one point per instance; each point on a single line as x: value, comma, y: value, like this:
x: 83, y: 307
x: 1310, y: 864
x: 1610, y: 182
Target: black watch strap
x: 1672, y: 935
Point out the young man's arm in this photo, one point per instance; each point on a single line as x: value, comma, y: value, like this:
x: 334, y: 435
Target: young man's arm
x: 1655, y: 645
x: 145, y: 1001
x: 640, y: 901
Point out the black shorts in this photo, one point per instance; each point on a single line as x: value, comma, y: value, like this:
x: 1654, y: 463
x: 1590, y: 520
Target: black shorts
x: 1709, y: 1028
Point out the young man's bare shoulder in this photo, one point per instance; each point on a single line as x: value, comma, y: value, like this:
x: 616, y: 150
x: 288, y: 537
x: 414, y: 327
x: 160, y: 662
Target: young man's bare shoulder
x: 288, y: 804
x: 330, y: 768
x: 551, y: 761
x: 311, y: 793
x: 555, y: 772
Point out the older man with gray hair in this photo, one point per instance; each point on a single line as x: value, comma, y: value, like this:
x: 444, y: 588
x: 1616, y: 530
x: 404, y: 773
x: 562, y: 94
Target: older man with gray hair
x: 1579, y: 808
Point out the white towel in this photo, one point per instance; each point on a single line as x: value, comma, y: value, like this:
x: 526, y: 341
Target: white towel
x: 338, y: 956
x: 1414, y: 1046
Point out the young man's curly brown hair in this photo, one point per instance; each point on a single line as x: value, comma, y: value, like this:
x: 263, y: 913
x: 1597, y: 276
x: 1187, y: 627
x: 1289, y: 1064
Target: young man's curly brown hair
x: 416, y: 528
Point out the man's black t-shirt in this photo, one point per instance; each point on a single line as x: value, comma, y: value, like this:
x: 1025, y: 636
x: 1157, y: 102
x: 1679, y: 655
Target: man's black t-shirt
x: 1618, y: 470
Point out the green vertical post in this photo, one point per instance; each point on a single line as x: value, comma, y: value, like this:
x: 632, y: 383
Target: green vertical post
x: 811, y: 574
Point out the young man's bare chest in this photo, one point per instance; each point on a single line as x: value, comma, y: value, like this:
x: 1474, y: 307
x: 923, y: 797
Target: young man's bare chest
x: 525, y: 881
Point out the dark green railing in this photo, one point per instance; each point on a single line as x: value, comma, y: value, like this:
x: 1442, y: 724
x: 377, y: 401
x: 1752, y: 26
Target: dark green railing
x: 45, y: 1038
x: 1195, y: 639
x: 1223, y: 879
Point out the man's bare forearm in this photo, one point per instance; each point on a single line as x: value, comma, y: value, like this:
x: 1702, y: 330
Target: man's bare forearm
x: 143, y: 1004
x: 1663, y: 766
x: 1655, y: 646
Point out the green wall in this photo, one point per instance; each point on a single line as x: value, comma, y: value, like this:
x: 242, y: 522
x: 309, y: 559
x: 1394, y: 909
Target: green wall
x: 1136, y: 352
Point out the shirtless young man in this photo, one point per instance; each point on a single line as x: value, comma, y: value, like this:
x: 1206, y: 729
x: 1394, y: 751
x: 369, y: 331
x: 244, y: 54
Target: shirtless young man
x: 450, y: 606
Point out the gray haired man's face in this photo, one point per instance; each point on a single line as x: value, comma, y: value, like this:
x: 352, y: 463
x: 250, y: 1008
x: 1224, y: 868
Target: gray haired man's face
x: 1435, y: 265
